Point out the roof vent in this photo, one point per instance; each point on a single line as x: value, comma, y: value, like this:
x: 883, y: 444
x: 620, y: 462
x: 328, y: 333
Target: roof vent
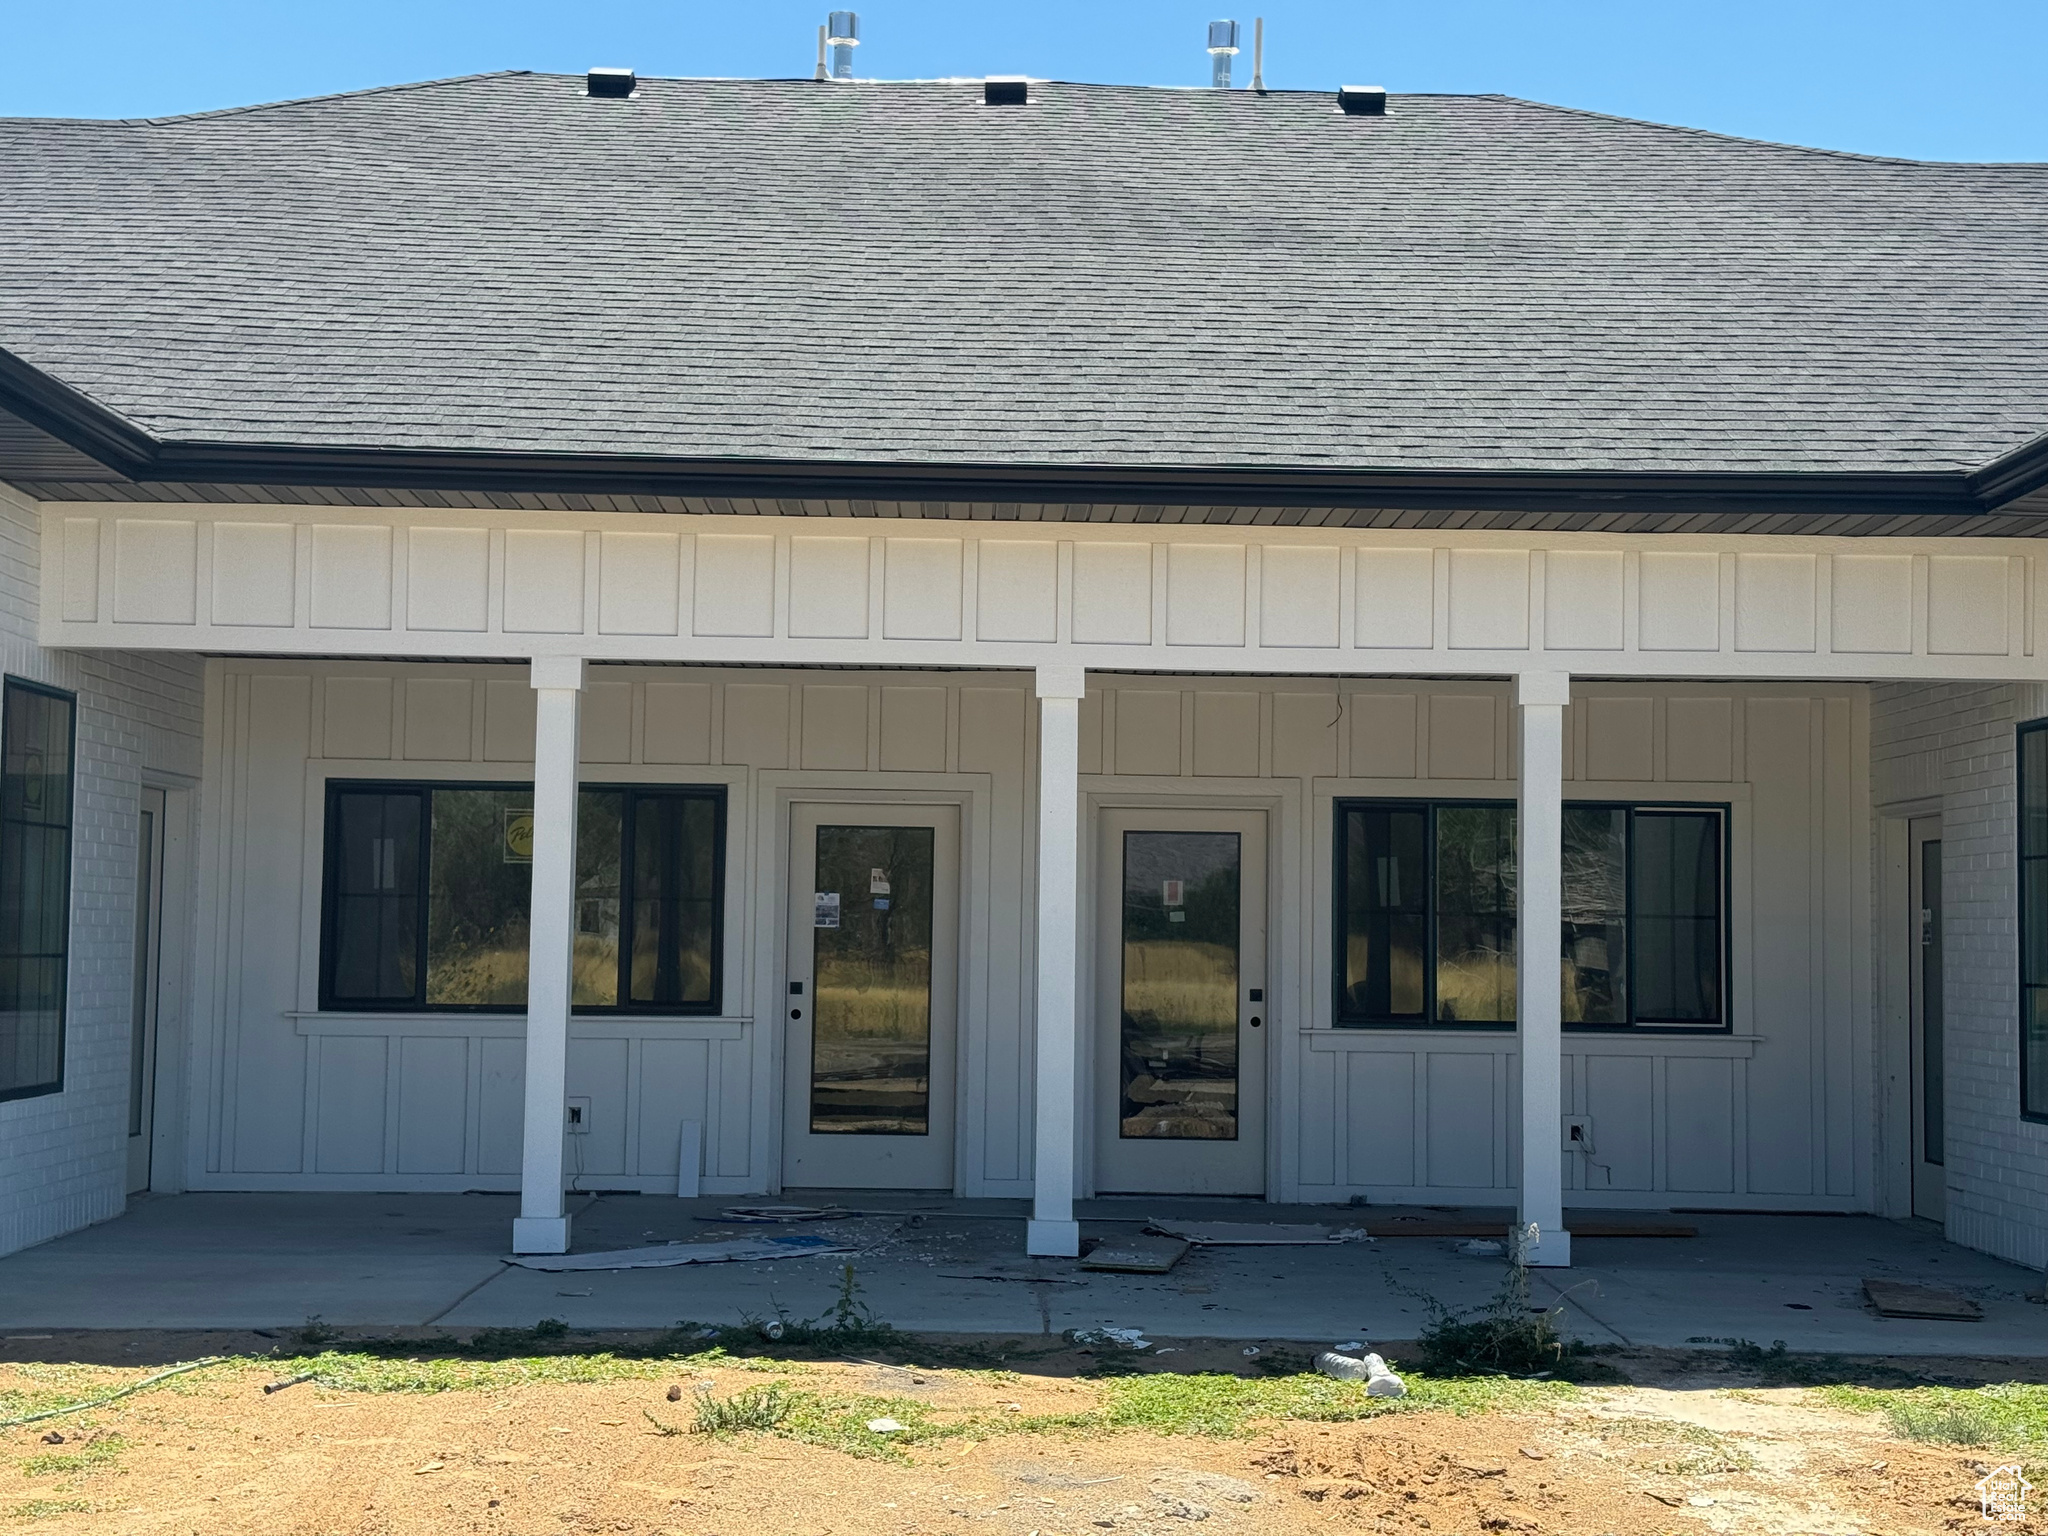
x: 1363, y: 100
x: 611, y: 82
x: 1222, y: 48
x: 1006, y: 90
x: 842, y: 37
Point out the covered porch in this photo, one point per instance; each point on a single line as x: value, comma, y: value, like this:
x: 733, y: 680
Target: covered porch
x: 1034, y: 699
x: 392, y: 1262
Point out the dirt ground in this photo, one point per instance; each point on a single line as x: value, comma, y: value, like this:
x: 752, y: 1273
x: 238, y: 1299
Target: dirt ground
x: 1685, y: 1448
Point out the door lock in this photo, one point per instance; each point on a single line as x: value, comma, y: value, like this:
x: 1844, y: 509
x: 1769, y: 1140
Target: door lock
x: 1255, y: 1021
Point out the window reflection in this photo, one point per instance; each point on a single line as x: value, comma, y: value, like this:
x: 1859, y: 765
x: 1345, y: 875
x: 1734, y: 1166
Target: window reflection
x: 1179, y: 1043
x: 871, y: 982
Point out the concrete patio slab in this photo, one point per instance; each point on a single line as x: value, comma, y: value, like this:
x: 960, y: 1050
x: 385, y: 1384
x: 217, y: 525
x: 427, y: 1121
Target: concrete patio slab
x: 366, y: 1260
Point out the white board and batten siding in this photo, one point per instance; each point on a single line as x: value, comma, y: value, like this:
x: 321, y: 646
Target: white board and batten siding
x: 306, y: 1099
x: 1771, y: 1114
x: 1125, y: 595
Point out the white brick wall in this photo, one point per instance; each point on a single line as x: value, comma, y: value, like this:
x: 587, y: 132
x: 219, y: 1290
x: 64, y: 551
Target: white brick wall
x: 63, y: 1156
x: 1955, y: 741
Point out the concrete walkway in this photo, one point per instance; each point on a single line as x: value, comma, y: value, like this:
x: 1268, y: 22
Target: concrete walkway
x: 273, y: 1260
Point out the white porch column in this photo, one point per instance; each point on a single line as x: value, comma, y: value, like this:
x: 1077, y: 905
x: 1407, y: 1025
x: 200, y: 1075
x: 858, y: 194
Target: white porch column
x: 542, y: 1225
x: 1540, y: 698
x: 1053, y: 1230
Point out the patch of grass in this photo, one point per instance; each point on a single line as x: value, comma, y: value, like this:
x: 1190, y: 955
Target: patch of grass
x: 760, y: 1408
x: 57, y: 1386
x: 1221, y: 1405
x: 44, y: 1509
x: 1677, y: 1449
x: 837, y: 1422
x: 93, y: 1455
x: 354, y: 1371
x: 2009, y: 1416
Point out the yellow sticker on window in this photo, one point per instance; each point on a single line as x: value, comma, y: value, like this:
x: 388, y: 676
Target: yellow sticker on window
x: 518, y: 837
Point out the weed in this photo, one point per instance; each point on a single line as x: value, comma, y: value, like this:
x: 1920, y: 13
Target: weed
x: 94, y: 1455
x: 1778, y: 1367
x: 762, y: 1408
x: 512, y: 1341
x: 53, y: 1386
x: 849, y: 1327
x: 1504, y: 1337
x: 1677, y: 1449
x: 1944, y: 1424
x: 313, y: 1334
x: 1699, y: 1451
x: 43, y: 1509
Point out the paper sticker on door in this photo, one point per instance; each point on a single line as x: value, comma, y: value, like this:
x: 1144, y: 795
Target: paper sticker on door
x: 825, y: 913
x: 878, y: 882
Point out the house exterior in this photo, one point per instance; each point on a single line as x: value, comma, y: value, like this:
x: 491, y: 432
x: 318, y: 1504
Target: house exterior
x: 786, y: 634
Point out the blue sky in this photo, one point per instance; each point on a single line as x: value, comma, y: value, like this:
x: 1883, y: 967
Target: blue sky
x: 1937, y: 79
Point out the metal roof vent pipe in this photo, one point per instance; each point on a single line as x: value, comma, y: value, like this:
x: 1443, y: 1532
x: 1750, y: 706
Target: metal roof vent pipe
x: 616, y: 83
x: 842, y: 37
x: 1222, y: 48
x: 1006, y: 91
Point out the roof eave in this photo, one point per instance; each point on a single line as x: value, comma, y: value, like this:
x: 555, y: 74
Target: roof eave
x: 111, y: 439
x: 1150, y: 485
x: 2012, y: 475
x: 75, y: 418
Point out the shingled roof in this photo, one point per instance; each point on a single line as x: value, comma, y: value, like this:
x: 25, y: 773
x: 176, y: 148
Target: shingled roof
x: 890, y: 273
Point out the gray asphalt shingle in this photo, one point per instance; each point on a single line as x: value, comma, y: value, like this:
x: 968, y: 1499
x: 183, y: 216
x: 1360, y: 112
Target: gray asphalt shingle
x: 1111, y: 275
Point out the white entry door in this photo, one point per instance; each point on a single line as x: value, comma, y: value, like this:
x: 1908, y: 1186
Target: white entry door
x: 1181, y: 1005
x: 1930, y: 1178
x: 149, y: 925
x: 870, y: 992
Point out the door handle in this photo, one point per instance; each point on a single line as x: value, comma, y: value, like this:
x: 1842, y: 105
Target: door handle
x: 796, y: 1013
x: 1255, y: 1021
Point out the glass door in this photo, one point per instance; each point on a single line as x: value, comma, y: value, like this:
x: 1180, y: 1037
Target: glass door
x: 1930, y: 1133
x: 869, y: 1037
x: 1182, y: 1013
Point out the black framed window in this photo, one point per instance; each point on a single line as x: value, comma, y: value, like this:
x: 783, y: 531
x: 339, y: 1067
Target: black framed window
x: 38, y: 733
x: 1425, y: 909
x: 429, y: 887
x: 2033, y: 900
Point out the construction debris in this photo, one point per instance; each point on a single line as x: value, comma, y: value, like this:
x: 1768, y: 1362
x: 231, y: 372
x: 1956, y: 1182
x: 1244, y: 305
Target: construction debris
x: 1895, y: 1298
x: 1011, y: 1272
x: 1117, y: 1338
x: 765, y: 1214
x: 1576, y: 1223
x: 1141, y: 1254
x: 796, y: 1246
x: 1250, y: 1234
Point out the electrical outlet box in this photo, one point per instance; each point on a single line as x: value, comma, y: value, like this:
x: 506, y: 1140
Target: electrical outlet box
x: 578, y: 1117
x: 1578, y: 1133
